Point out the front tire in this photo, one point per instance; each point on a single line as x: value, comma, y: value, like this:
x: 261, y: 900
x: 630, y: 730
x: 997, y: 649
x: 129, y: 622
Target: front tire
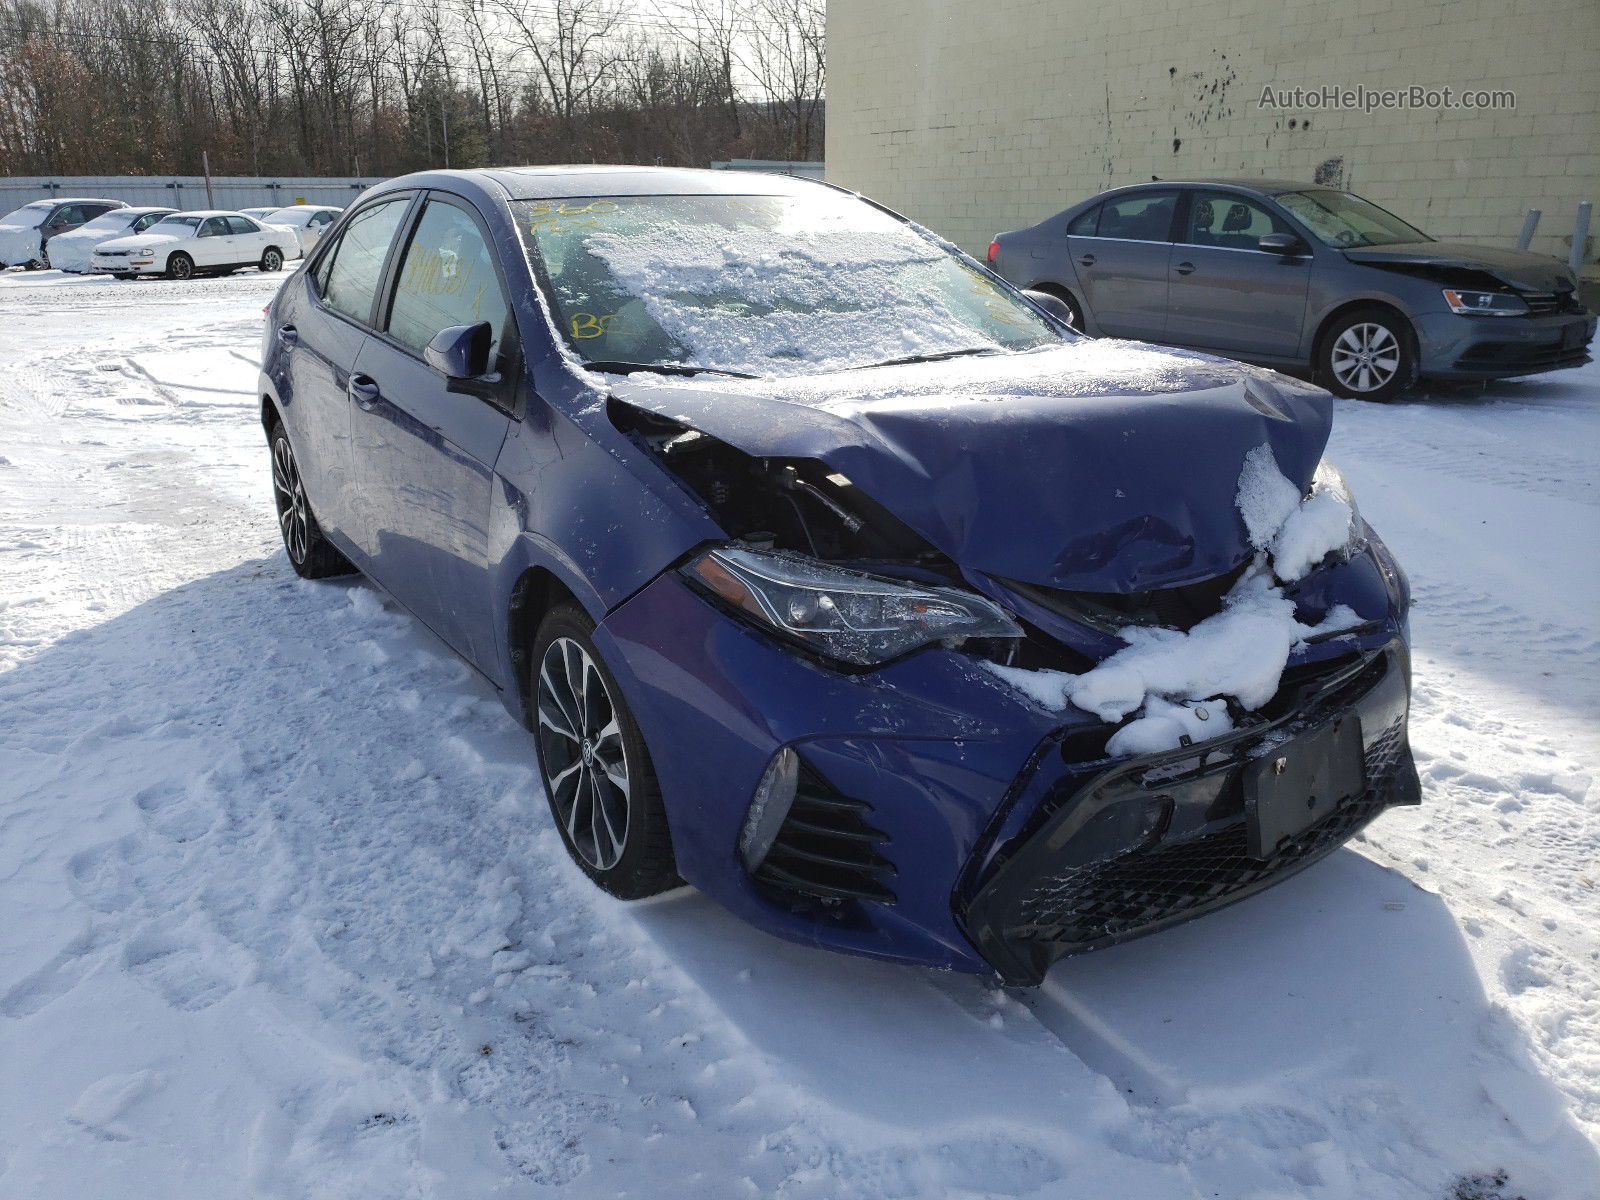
x: 272, y: 259
x: 180, y: 266
x: 1368, y: 354
x: 596, y: 771
x: 310, y: 553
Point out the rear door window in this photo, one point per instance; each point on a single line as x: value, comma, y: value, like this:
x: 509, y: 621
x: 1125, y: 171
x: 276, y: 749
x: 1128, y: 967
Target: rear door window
x: 1083, y: 225
x: 1141, y: 217
x: 446, y: 278
x: 348, y: 276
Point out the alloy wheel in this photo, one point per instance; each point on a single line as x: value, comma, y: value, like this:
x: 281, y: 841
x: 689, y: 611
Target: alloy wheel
x: 182, y: 268
x: 294, y: 515
x: 580, y: 744
x: 271, y: 260
x: 1365, y: 357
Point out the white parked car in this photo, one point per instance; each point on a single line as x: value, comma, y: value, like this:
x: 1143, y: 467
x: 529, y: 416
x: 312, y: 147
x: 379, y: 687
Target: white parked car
x: 72, y: 251
x: 25, y: 234
x: 309, y: 221
x: 184, y: 245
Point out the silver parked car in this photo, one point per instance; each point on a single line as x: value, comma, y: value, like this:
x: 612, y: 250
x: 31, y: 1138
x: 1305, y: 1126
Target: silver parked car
x: 1300, y: 276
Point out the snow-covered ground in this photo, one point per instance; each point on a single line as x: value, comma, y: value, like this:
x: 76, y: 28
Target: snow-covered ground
x: 284, y: 914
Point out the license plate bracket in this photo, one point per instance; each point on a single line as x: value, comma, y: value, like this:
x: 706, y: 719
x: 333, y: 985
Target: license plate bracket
x: 1573, y: 336
x: 1299, y: 782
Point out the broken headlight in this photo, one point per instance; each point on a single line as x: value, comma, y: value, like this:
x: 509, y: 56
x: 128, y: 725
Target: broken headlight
x: 850, y: 616
x: 1329, y: 480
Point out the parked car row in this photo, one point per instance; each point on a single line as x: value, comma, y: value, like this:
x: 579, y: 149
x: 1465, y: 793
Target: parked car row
x: 1294, y: 275
x: 109, y: 237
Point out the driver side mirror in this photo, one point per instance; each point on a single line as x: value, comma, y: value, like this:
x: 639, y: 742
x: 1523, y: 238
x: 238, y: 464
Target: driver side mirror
x: 461, y: 353
x: 1281, y: 243
x: 1054, y: 305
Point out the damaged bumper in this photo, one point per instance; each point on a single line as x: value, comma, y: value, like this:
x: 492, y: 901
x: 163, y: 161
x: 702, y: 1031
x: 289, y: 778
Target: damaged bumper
x: 1148, y: 843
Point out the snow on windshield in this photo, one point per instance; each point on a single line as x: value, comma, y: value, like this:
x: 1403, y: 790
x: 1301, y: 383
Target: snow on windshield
x: 28, y: 215
x: 1177, y: 683
x: 763, y: 284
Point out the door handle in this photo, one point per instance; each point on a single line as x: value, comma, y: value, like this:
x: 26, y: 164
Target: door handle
x: 288, y: 334
x: 364, y: 391
x: 1185, y: 268
x: 1086, y: 260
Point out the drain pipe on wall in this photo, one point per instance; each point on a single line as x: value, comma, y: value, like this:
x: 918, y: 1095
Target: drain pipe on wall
x: 1580, y: 237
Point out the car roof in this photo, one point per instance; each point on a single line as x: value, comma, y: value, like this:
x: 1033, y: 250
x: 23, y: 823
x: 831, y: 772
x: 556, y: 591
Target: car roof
x: 550, y: 182
x: 209, y: 212
x: 79, y: 200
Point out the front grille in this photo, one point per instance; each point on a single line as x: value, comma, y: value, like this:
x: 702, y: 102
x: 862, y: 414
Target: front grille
x: 1107, y: 899
x: 1514, y: 356
x: 111, y: 253
x: 1544, y: 304
x: 826, y: 849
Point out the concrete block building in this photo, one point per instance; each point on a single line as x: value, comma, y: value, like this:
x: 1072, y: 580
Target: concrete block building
x: 977, y: 117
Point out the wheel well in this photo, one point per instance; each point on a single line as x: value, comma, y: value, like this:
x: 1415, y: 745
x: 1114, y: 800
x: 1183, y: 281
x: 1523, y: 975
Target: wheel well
x: 269, y: 415
x: 536, y: 592
x: 1344, y: 310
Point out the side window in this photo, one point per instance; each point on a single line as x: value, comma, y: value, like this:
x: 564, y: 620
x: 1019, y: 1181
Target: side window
x: 214, y: 227
x: 70, y: 215
x: 243, y: 225
x: 318, y: 220
x: 1230, y: 221
x: 446, y: 278
x: 1083, y: 225
x: 1141, y: 217
x: 347, y: 277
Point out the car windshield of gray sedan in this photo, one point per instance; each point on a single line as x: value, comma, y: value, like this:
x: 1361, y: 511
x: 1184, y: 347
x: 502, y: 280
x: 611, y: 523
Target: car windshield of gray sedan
x: 762, y: 285
x: 1340, y: 219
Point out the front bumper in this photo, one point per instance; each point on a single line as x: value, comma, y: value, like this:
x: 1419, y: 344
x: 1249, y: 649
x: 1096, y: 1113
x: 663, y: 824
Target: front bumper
x: 1467, y: 347
x: 930, y: 772
x: 1066, y: 884
x: 100, y: 264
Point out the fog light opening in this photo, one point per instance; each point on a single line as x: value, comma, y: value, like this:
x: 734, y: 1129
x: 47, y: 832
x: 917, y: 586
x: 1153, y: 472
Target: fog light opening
x: 769, y: 808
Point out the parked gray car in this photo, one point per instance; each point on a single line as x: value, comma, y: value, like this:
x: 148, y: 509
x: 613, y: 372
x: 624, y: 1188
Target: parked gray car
x: 1295, y: 275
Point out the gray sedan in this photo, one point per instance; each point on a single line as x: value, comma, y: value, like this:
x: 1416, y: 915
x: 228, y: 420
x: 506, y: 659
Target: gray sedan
x: 1295, y: 275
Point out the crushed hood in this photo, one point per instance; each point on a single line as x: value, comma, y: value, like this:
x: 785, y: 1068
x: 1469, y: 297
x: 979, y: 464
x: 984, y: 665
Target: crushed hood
x: 1096, y: 466
x: 1518, y: 268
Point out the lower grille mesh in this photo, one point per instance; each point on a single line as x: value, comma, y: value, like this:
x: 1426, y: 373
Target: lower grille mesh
x: 1105, y: 899
x: 825, y: 848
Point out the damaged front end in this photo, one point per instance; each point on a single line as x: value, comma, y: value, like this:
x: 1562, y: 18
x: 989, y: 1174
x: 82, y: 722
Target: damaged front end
x: 857, y: 540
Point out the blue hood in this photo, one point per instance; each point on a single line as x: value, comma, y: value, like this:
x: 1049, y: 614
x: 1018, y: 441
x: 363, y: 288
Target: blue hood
x: 1098, y: 466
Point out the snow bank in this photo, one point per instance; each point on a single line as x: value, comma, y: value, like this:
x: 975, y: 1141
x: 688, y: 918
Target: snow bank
x: 1176, y: 683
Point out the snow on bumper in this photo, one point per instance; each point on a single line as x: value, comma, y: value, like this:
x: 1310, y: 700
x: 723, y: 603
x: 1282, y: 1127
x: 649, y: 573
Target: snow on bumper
x: 1094, y: 854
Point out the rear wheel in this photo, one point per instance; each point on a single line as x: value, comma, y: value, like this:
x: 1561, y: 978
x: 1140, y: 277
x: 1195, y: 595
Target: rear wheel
x: 597, y: 773
x: 1368, y: 354
x: 310, y: 553
x: 272, y: 259
x: 180, y: 266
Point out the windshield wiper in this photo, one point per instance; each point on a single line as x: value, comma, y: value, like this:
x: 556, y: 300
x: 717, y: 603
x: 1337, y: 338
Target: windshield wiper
x: 935, y: 357
x: 618, y: 367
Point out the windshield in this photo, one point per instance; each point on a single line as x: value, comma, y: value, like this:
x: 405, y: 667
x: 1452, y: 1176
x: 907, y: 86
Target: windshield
x: 28, y: 214
x: 175, y: 224
x: 1341, y: 219
x: 764, y: 285
x: 288, y: 216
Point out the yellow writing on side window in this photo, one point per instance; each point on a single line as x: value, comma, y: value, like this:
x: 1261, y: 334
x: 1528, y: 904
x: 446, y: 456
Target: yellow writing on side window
x: 436, y: 273
x: 587, y: 325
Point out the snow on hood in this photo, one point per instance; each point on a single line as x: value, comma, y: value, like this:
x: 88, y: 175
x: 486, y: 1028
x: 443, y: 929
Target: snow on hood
x: 138, y: 241
x: 1093, y: 466
x: 1518, y: 268
x: 1177, y: 682
x: 70, y: 251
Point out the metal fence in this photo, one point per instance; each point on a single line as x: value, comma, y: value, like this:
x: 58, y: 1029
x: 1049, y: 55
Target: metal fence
x: 184, y: 192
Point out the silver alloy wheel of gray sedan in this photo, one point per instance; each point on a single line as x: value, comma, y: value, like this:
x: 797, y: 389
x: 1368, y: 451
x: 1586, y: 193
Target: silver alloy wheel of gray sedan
x: 586, y: 770
x: 1365, y: 357
x: 290, y: 493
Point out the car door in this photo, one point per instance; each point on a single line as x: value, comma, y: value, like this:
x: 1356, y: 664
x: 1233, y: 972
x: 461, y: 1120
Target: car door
x: 1122, y: 267
x: 212, y: 243
x: 250, y: 240
x: 424, y: 454
x: 326, y: 328
x: 1226, y: 292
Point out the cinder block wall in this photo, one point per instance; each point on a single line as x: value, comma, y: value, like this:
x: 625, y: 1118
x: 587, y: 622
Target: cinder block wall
x: 974, y: 118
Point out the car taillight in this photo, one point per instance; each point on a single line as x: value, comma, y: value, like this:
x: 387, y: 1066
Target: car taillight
x: 994, y: 249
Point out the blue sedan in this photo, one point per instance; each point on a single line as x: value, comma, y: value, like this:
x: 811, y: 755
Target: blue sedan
x: 821, y: 564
